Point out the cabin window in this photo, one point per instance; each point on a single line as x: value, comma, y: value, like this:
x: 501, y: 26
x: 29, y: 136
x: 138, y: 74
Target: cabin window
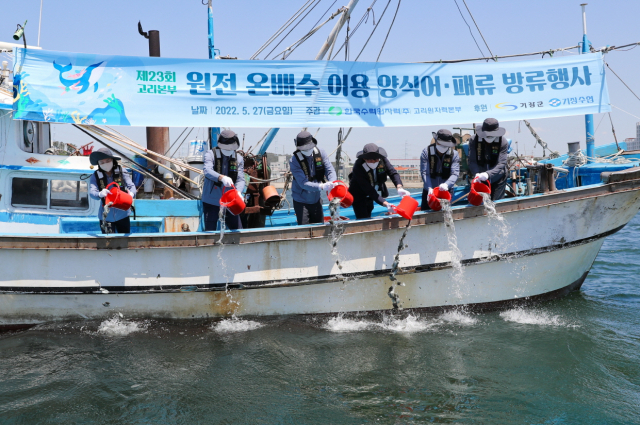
x: 49, y: 194
x: 29, y: 192
x: 69, y: 194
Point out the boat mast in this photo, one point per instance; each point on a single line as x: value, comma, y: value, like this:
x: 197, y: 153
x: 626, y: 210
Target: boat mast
x: 39, y: 23
x: 320, y: 56
x: 588, y: 119
x: 213, y: 131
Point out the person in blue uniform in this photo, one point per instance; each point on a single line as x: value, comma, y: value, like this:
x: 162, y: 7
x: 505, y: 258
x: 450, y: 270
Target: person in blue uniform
x: 223, y: 168
x: 488, y: 156
x: 109, y: 171
x: 312, y: 173
x: 367, y: 182
x: 439, y: 165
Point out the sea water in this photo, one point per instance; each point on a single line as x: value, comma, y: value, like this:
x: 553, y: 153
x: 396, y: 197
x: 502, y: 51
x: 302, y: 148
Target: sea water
x: 575, y: 360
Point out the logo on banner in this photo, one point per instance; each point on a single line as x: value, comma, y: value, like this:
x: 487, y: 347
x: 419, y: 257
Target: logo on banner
x: 506, y: 107
x: 555, y: 102
x: 335, y: 110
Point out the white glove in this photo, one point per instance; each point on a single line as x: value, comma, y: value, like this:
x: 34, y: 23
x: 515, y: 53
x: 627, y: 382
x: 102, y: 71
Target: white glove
x: 226, y: 181
x: 430, y: 191
x: 403, y: 192
x: 328, y: 186
x: 103, y: 193
x: 444, y: 187
x: 483, y: 177
x: 391, y: 208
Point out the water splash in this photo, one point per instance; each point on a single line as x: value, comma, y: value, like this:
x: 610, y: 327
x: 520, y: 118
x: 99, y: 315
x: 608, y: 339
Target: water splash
x: 452, y: 239
x: 223, y: 264
x: 222, y: 219
x: 497, y: 219
x: 337, y: 229
x: 117, y: 326
x: 340, y: 324
x: 395, y: 298
x: 459, y: 317
x: 532, y: 317
x: 392, y: 323
x: 235, y: 325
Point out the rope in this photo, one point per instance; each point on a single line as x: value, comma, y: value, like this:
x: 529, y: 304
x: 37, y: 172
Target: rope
x: 365, y: 17
x: 629, y: 113
x: 468, y: 26
x: 575, y: 159
x: 625, y: 84
x: 388, y: 32
x: 373, y: 31
x: 478, y: 28
x: 294, y: 27
x: 549, y: 52
x: 342, y: 142
x: 544, y: 52
x: 304, y: 38
x: 282, y: 28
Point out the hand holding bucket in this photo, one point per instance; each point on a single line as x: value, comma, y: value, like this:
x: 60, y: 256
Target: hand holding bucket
x: 118, y: 198
x: 407, y: 207
x: 434, y: 198
x: 478, y: 187
x: 340, y: 191
x: 232, y: 200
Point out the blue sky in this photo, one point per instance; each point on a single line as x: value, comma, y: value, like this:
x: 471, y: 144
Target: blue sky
x: 424, y: 30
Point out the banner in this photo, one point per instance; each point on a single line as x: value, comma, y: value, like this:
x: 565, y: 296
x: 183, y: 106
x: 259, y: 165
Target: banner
x: 144, y: 91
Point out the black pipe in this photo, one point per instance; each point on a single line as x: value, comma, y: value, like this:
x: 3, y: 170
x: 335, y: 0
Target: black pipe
x: 140, y: 169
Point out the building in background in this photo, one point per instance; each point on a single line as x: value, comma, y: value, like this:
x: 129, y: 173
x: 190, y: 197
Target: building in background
x: 409, y: 170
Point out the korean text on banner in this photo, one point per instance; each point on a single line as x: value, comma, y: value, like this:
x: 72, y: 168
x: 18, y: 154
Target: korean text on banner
x: 145, y: 91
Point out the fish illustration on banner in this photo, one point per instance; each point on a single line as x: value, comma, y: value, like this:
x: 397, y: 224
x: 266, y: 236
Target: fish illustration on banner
x: 157, y: 91
x: 82, y: 80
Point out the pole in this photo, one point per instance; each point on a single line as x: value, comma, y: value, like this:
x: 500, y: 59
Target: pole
x: 588, y: 119
x: 214, y: 132
x: 336, y: 29
x: 39, y: 23
x: 157, y: 137
x: 320, y: 56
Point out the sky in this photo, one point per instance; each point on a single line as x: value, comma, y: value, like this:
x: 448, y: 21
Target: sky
x: 424, y: 30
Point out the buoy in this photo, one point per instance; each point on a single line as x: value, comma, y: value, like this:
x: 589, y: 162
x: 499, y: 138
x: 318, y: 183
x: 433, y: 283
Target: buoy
x: 341, y: 191
x: 118, y: 198
x: 434, y: 198
x: 232, y: 201
x: 478, y: 187
x: 407, y: 207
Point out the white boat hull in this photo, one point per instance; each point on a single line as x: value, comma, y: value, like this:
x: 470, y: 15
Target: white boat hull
x: 552, y: 243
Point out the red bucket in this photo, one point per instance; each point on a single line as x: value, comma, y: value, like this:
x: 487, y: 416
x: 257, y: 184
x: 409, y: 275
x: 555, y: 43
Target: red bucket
x: 407, y: 207
x: 434, y: 199
x: 342, y: 192
x: 119, y: 199
x: 232, y: 201
x: 478, y: 187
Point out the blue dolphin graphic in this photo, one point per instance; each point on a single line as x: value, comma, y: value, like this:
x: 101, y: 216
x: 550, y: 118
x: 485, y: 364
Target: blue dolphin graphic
x: 84, y: 79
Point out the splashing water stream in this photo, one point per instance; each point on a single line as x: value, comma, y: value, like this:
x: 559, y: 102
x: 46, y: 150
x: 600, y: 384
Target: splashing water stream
x: 337, y: 229
x: 497, y: 219
x: 395, y: 298
x: 452, y: 239
x: 222, y: 220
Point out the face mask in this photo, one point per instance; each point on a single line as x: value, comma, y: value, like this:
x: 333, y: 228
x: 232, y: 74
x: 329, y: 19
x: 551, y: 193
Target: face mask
x: 226, y: 152
x: 307, y: 153
x: 441, y: 149
x: 372, y: 166
x: 490, y: 139
x: 107, y: 166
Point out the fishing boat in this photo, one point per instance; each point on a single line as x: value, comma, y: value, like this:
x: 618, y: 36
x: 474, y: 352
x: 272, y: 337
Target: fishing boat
x: 57, y: 265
